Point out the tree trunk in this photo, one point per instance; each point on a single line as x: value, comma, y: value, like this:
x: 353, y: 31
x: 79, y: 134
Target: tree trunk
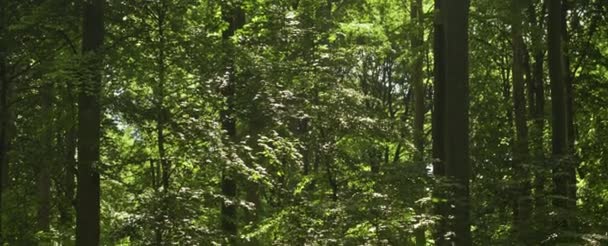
x: 68, y: 170
x: 46, y: 160
x: 89, y: 119
x: 235, y: 17
x: 417, y: 46
x: 66, y: 204
x: 160, y: 98
x: 537, y: 108
x: 439, y: 84
x: 571, y: 160
x: 521, y: 149
x: 159, y: 94
x: 456, y: 133
x: 540, y: 176
x: 4, y: 115
x: 559, y: 138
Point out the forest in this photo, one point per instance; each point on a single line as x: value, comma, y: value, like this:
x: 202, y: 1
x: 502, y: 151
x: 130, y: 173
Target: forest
x: 303, y: 122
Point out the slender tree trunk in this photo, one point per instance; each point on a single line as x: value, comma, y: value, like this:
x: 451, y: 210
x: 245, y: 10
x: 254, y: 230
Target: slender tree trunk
x: 439, y: 84
x: 66, y: 162
x: 537, y: 108
x: 419, y: 110
x: 559, y: 139
x: 521, y: 149
x: 235, y: 17
x: 303, y: 133
x: 160, y: 122
x: 160, y: 98
x: 456, y: 133
x: 326, y: 13
x: 4, y: 115
x: 46, y: 160
x: 69, y: 173
x: 541, y: 170
x: 571, y: 160
x: 89, y: 119
x: 417, y: 79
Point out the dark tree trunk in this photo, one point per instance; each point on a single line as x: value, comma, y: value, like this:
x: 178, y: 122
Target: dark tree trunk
x: 3, y: 113
x: 541, y: 170
x: 419, y: 107
x: 456, y: 133
x: 439, y: 84
x: 235, y: 17
x: 520, y: 148
x: 559, y: 139
x: 45, y: 160
x: 537, y: 108
x: 89, y: 119
x: 68, y: 174
x: 4, y: 109
x: 4, y: 86
x: 571, y: 159
x: 417, y: 80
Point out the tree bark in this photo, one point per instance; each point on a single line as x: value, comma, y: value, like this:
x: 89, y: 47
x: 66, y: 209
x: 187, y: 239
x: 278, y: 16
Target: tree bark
x: 4, y: 86
x: 160, y: 97
x: 45, y: 161
x: 537, y: 108
x: 4, y: 109
x: 68, y: 184
x: 417, y: 19
x: 439, y: 84
x: 456, y: 133
x: 89, y: 119
x: 559, y: 138
x: 540, y: 176
x: 521, y: 148
x: 571, y: 158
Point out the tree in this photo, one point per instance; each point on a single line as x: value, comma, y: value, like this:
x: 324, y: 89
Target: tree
x: 456, y: 133
x: 89, y: 119
x: 439, y: 83
x: 536, y: 99
x: 562, y: 170
x: 46, y: 159
x: 571, y: 158
x: 417, y: 45
x: 160, y: 10
x: 520, y: 148
x: 3, y: 109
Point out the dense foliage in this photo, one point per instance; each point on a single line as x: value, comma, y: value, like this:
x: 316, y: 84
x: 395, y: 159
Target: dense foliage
x: 297, y: 122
